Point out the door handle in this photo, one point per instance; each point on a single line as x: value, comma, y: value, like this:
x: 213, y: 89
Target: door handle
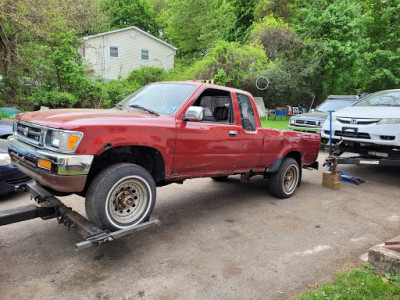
x: 233, y: 133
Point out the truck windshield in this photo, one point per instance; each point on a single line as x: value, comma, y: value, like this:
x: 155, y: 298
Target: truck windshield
x: 383, y: 98
x: 332, y: 105
x: 158, y: 98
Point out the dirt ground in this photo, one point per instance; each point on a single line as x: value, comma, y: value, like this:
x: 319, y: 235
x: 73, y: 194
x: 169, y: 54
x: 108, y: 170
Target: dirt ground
x: 217, y: 240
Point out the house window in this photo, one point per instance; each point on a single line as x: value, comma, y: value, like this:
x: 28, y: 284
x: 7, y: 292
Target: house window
x: 113, y: 51
x: 145, y: 54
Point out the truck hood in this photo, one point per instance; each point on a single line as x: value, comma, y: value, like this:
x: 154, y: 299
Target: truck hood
x: 75, y: 118
x: 369, y: 112
x: 316, y: 115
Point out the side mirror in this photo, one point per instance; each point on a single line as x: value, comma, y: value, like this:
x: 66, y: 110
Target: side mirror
x: 194, y: 114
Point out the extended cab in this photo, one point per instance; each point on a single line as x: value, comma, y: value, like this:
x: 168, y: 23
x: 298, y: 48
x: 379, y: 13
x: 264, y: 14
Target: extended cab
x: 163, y: 133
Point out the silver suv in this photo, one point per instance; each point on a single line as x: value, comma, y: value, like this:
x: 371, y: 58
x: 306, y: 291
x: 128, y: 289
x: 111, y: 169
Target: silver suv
x: 313, y: 121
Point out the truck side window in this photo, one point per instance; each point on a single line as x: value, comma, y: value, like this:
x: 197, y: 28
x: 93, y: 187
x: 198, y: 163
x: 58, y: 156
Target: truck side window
x: 217, y: 106
x: 246, y: 112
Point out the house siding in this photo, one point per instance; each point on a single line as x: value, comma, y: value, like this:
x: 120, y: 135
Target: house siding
x: 130, y: 43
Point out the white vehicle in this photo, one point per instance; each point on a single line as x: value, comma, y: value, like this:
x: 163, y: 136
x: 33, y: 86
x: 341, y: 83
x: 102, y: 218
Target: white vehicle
x: 368, y: 127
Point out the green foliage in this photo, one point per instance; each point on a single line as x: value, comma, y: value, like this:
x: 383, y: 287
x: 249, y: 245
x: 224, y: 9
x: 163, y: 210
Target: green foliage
x: 124, y: 13
x: 60, y: 65
x: 53, y: 99
x: 383, y: 55
x: 340, y: 27
x: 194, y: 26
x: 357, y: 284
x: 230, y: 62
x: 117, y: 90
x: 275, y: 37
x: 244, y: 12
x: 146, y: 75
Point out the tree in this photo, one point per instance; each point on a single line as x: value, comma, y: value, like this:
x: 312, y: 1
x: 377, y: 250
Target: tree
x: 340, y: 27
x: 229, y: 63
x: 194, y: 26
x: 295, y: 63
x: 244, y: 12
x: 125, y: 13
x: 381, y: 69
x: 26, y: 23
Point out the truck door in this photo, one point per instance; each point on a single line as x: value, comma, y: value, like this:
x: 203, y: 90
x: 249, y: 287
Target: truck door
x: 212, y: 146
x: 251, y: 135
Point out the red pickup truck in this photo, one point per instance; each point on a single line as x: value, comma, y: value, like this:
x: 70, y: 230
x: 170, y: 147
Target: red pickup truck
x: 163, y: 133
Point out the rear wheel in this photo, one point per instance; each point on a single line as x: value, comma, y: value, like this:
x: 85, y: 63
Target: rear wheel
x: 283, y: 183
x: 121, y: 196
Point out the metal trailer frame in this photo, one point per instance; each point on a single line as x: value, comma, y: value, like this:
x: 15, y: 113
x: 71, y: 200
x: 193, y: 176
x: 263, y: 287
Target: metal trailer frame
x: 48, y: 207
x: 367, y: 160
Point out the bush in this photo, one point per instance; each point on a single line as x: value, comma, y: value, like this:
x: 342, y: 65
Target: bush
x: 229, y: 63
x: 146, y: 75
x: 117, y: 90
x: 53, y: 99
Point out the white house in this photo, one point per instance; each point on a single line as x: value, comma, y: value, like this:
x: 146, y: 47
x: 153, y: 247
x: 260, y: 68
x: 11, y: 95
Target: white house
x: 116, y: 53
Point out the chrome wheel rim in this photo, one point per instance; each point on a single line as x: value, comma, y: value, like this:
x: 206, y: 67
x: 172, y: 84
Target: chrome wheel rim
x: 127, y: 200
x: 290, y: 179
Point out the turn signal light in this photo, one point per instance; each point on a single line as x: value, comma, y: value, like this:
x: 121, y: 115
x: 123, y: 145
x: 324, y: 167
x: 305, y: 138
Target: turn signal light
x: 44, y: 163
x: 72, y: 141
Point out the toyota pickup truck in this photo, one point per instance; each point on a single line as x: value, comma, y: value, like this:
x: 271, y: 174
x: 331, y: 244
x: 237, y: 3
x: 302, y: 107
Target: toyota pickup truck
x: 164, y: 133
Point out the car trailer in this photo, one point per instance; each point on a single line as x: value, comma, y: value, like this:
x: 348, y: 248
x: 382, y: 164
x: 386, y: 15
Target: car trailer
x: 48, y: 207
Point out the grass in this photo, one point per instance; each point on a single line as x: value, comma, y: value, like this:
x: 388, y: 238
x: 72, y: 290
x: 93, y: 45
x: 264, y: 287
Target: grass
x: 358, y: 284
x: 277, y: 124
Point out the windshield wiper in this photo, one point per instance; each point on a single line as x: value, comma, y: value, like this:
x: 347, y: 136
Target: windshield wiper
x: 145, y: 109
x: 119, y: 106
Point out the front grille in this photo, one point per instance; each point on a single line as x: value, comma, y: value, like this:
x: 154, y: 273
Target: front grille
x: 358, y: 135
x: 306, y: 123
x: 357, y: 121
x: 31, y: 134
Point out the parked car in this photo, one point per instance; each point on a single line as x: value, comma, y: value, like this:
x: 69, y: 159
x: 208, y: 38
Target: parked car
x: 313, y: 121
x: 9, y: 175
x: 370, y: 126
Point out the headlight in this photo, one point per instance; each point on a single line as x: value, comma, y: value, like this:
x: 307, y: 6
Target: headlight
x: 63, y: 140
x: 292, y: 121
x: 5, y: 159
x: 389, y: 121
x: 334, y: 118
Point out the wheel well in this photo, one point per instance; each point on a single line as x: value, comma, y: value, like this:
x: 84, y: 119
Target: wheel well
x: 146, y: 157
x: 296, y: 156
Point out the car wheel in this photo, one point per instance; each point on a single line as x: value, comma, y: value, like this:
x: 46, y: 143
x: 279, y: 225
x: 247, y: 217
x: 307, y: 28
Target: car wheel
x: 121, y: 196
x: 283, y: 183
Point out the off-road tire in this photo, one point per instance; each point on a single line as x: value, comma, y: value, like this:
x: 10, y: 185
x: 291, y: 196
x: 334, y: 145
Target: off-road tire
x: 120, y: 196
x: 283, y: 183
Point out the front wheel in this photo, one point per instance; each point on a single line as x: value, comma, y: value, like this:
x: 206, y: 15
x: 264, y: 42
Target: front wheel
x: 121, y: 196
x: 283, y: 183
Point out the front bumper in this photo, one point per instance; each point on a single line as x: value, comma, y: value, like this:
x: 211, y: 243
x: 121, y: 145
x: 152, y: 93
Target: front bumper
x: 383, y: 135
x: 68, y: 172
x: 305, y: 129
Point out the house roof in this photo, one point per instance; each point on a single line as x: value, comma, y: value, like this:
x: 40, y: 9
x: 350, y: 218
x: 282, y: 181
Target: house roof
x: 129, y: 28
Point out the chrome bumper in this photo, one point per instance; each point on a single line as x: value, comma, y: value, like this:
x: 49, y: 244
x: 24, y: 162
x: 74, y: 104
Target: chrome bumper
x: 306, y: 129
x: 63, y: 164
